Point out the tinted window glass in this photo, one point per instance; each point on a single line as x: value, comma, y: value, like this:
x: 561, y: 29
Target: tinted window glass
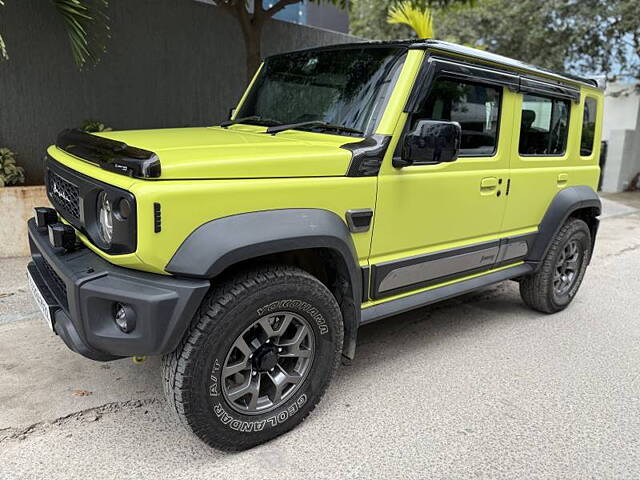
x: 348, y: 87
x: 545, y: 126
x: 588, y: 127
x: 475, y: 107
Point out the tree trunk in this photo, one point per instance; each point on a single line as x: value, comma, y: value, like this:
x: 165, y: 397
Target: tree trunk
x: 252, y: 38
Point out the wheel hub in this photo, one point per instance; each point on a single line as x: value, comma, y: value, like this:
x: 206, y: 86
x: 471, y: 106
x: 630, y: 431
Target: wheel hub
x: 265, y: 358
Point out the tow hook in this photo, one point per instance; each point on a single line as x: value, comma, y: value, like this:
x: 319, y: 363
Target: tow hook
x: 138, y: 360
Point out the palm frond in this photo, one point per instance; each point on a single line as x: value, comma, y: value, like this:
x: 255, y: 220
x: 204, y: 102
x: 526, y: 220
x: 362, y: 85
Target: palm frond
x: 418, y: 18
x: 87, y: 27
x: 3, y: 48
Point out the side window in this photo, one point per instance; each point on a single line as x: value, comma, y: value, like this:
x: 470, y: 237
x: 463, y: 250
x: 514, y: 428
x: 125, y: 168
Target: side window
x: 474, y: 106
x: 588, y: 127
x: 545, y: 125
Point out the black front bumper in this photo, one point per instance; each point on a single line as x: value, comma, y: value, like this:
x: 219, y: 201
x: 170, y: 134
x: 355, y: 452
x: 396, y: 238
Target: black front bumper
x: 83, y: 289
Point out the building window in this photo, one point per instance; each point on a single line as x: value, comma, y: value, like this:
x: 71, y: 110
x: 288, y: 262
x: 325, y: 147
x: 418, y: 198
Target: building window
x: 588, y: 127
x: 474, y: 106
x: 545, y: 126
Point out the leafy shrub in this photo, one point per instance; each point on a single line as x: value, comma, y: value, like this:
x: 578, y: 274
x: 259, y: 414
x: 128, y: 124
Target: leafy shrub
x: 91, y: 126
x: 10, y: 172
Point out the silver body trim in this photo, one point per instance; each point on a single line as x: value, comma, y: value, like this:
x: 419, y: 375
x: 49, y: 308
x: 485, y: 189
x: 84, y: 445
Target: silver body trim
x: 442, y: 267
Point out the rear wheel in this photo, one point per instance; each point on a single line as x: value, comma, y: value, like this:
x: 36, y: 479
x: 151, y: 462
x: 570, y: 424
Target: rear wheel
x: 555, y: 284
x: 258, y: 357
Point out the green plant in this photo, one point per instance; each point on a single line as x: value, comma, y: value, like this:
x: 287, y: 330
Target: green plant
x: 418, y: 18
x: 91, y: 126
x: 10, y: 172
x: 87, y: 26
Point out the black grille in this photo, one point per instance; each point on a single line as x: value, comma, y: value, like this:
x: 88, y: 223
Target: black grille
x: 64, y: 195
x: 57, y: 286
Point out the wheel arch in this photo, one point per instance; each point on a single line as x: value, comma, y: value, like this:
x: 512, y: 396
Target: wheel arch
x: 577, y: 202
x: 315, y: 240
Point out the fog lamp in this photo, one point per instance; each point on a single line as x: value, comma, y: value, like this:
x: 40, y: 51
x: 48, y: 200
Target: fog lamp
x: 125, y: 317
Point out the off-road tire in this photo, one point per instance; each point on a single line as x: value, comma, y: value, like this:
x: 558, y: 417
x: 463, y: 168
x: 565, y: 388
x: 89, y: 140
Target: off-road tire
x: 537, y: 290
x: 192, y: 373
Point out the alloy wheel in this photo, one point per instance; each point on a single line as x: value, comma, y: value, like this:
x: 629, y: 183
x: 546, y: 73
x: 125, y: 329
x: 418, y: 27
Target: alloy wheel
x: 268, y: 362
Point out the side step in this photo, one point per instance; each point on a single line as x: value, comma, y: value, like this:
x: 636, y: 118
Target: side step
x: 401, y: 305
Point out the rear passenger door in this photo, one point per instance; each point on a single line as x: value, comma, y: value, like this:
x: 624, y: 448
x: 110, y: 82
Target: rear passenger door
x: 544, y: 156
x: 438, y: 222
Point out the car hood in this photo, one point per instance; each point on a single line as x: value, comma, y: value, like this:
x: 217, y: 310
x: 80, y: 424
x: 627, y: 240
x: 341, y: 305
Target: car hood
x: 240, y: 151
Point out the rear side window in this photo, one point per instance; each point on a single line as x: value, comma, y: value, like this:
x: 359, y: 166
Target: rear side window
x: 588, y: 127
x: 474, y: 106
x: 545, y: 125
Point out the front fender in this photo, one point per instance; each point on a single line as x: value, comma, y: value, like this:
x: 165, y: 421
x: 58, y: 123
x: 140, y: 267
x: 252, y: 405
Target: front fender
x: 221, y: 243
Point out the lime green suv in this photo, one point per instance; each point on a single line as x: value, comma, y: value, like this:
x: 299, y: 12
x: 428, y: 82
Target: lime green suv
x: 352, y: 183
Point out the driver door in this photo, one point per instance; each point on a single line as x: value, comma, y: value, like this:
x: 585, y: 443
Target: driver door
x: 441, y: 221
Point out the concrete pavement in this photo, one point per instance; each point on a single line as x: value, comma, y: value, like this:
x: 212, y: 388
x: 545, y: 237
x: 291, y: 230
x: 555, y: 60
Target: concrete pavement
x: 475, y: 387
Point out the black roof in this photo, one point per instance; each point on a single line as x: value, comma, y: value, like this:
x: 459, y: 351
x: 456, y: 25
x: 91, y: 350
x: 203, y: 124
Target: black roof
x: 452, y: 48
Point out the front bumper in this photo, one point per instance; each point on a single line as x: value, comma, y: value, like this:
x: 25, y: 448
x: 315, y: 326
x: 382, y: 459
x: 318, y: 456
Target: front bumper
x: 83, y: 289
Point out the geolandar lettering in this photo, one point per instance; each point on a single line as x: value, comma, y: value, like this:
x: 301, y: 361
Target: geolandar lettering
x: 249, y: 253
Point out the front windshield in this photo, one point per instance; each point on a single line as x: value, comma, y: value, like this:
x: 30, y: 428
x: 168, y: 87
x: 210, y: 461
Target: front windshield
x: 348, y: 87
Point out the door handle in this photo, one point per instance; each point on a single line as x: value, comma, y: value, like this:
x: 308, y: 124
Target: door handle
x: 489, y: 183
x: 563, y: 178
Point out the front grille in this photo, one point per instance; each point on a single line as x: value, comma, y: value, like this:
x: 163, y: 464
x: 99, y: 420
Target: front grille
x: 56, y: 285
x: 64, y: 195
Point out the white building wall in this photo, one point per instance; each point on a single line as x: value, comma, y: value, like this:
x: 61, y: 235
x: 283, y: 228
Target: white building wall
x: 621, y: 130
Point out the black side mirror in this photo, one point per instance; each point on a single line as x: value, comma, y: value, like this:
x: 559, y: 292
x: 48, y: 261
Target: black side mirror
x: 430, y: 141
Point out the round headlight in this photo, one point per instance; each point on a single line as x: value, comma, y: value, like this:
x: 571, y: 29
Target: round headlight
x: 105, y: 218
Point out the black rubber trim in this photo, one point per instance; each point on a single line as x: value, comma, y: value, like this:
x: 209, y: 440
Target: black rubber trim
x: 163, y: 305
x: 549, y: 89
x: 566, y: 202
x: 367, y: 155
x: 366, y: 273
x: 111, y: 155
x: 381, y: 270
x: 411, y: 302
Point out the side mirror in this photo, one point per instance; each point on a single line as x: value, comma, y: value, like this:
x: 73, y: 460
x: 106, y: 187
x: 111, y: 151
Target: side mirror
x: 430, y: 141
x: 232, y: 112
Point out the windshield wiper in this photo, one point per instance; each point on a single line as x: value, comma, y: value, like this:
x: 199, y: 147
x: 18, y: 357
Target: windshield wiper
x: 313, y: 123
x: 253, y: 119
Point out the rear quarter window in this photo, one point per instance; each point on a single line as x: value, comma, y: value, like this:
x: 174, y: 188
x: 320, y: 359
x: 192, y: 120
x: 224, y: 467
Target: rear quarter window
x: 588, y: 127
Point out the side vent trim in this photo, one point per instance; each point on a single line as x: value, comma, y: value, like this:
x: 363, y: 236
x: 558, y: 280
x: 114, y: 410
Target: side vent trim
x: 157, y: 217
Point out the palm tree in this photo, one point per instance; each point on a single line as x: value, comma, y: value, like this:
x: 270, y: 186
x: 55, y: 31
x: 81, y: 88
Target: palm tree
x: 418, y: 18
x: 87, y: 26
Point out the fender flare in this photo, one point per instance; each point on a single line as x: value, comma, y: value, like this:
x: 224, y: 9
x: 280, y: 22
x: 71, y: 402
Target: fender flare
x: 223, y: 242
x: 565, y: 203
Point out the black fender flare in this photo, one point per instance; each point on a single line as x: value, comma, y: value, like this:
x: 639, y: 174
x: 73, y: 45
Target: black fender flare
x: 565, y: 203
x: 224, y: 242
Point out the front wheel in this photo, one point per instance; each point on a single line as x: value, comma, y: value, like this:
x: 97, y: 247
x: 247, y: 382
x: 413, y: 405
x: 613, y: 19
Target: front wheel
x: 555, y: 284
x: 257, y: 359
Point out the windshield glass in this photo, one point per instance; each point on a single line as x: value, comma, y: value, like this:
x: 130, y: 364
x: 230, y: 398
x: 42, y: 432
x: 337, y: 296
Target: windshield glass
x: 348, y: 87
